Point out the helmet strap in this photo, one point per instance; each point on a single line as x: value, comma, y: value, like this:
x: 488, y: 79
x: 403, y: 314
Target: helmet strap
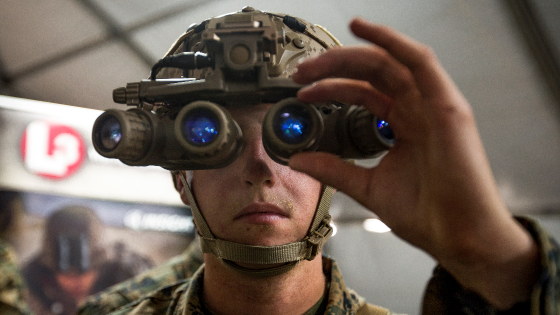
x: 288, y: 254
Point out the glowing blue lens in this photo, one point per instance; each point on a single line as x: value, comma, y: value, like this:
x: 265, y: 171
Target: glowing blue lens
x: 291, y: 128
x: 291, y: 125
x: 385, y: 131
x: 110, y: 133
x: 201, y: 127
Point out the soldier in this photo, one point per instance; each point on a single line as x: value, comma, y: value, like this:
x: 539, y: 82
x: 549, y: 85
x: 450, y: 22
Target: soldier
x: 262, y: 223
x: 72, y: 263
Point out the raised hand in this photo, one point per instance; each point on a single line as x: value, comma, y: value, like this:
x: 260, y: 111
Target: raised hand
x: 434, y: 188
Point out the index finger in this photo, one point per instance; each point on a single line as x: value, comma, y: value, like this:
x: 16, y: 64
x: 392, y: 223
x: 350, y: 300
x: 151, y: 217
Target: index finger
x: 430, y: 76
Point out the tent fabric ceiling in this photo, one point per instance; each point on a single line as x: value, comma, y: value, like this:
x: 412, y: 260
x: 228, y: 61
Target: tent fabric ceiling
x: 76, y: 52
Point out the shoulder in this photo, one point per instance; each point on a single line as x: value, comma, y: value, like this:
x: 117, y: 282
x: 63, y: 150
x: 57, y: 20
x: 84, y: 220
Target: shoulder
x: 370, y: 309
x: 179, y: 298
x: 171, y: 272
x: 162, y: 301
x: 343, y: 300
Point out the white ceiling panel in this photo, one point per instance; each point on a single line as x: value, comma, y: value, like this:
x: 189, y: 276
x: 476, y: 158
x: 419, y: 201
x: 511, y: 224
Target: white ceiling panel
x: 129, y: 12
x: 32, y: 31
x: 88, y: 80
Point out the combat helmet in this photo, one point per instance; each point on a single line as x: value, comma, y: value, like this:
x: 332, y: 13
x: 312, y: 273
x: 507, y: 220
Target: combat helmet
x: 71, y: 240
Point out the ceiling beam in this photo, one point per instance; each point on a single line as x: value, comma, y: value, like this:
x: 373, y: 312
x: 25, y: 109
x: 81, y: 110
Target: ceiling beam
x: 117, y: 32
x: 5, y: 78
x: 538, y: 38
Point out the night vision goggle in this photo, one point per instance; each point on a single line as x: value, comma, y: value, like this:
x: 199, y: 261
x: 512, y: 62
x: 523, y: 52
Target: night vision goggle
x: 183, y: 123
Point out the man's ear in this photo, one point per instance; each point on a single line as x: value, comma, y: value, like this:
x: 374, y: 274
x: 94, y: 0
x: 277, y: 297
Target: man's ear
x: 180, y: 187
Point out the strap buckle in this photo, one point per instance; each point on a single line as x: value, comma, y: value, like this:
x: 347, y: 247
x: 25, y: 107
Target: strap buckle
x: 318, y: 238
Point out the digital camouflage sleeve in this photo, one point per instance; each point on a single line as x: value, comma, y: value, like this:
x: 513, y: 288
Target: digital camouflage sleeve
x: 12, y: 286
x: 444, y: 295
x: 176, y: 269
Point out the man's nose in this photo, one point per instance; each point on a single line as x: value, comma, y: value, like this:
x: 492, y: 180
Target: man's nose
x: 258, y: 167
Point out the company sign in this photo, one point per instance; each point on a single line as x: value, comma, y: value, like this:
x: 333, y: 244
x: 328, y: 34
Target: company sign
x: 51, y: 150
x: 46, y: 148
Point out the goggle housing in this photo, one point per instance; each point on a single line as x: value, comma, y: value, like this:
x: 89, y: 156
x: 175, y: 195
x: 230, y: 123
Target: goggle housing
x: 182, y: 123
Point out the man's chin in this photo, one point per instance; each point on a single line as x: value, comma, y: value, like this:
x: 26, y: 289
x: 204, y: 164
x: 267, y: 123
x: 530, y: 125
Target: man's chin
x: 263, y: 235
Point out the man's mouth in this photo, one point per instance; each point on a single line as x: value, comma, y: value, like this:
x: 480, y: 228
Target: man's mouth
x: 261, y: 213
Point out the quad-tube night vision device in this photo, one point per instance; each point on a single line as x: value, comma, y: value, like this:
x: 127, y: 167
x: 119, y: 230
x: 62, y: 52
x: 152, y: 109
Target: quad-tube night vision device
x: 180, y: 119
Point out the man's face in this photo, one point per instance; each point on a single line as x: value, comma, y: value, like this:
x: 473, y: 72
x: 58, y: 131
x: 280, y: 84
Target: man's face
x: 77, y: 285
x: 255, y: 200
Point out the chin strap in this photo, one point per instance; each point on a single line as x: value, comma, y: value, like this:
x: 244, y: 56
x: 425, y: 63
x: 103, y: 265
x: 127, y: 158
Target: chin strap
x: 288, y: 254
x: 261, y: 273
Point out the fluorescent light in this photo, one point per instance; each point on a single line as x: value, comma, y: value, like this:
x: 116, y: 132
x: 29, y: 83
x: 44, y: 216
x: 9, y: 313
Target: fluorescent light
x: 376, y: 226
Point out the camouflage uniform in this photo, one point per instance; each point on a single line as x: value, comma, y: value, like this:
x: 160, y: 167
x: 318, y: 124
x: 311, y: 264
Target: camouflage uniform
x: 443, y: 294
x: 12, y: 287
x: 176, y: 269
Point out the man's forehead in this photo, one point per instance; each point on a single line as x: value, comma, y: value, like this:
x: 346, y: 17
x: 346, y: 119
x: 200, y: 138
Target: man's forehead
x: 248, y: 111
